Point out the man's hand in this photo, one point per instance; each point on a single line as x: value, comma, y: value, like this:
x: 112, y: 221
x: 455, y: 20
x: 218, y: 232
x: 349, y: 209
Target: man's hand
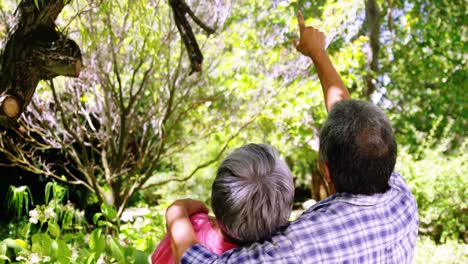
x: 311, y: 42
x: 179, y: 227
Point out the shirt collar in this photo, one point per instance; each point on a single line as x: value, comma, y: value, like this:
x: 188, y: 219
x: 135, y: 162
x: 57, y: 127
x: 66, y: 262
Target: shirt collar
x: 366, y: 200
x: 357, y: 199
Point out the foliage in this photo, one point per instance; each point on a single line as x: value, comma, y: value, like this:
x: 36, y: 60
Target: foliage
x: 146, y: 231
x: 135, y: 119
x: 428, y: 252
x: 18, y: 200
x: 294, y: 111
x: 424, y: 75
x: 44, y: 238
x: 57, y: 233
x: 132, y: 111
x: 440, y: 186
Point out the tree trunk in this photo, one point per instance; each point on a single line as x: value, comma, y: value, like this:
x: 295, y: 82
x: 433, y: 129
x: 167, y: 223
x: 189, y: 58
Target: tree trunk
x: 34, y: 51
x: 373, y: 25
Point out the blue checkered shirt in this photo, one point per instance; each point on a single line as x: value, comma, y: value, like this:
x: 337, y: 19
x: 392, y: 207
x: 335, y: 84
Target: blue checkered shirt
x: 343, y: 228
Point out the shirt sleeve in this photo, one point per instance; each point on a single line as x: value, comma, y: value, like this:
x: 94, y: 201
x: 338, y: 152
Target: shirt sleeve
x: 163, y: 253
x: 198, y: 254
x: 278, y: 250
x: 398, y: 182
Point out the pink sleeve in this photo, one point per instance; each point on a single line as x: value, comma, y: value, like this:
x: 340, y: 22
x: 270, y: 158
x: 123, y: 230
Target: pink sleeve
x: 206, y: 235
x: 163, y: 253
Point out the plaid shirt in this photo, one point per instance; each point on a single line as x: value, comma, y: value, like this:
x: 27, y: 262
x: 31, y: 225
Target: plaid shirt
x: 343, y: 228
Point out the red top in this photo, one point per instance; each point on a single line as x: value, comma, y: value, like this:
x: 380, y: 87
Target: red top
x: 206, y: 235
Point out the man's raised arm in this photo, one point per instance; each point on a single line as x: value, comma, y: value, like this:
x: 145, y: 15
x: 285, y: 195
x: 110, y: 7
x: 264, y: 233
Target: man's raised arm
x: 312, y: 45
x: 179, y: 228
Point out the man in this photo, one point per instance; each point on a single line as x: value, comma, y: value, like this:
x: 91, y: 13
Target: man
x: 372, y: 217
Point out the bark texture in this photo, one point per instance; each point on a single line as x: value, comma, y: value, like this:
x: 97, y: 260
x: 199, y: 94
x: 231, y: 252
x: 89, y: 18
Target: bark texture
x: 373, y: 16
x: 34, y: 50
x: 180, y: 9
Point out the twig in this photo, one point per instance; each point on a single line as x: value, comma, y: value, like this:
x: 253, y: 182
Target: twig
x: 208, y: 163
x: 390, y: 21
x: 200, y: 23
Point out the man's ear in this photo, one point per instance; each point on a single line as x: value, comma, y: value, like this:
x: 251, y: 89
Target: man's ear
x: 326, y: 172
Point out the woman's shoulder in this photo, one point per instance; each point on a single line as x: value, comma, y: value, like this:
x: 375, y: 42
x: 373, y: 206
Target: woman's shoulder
x: 200, y: 220
x: 208, y: 233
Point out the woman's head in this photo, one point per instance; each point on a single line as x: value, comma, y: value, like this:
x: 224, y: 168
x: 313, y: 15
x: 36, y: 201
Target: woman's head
x: 253, y: 193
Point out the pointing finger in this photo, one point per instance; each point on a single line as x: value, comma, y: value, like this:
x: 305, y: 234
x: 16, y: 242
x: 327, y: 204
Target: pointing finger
x: 300, y: 21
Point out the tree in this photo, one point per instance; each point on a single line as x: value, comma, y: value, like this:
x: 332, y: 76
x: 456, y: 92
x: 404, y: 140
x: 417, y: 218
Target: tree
x: 424, y: 73
x: 133, y: 109
x: 34, y: 50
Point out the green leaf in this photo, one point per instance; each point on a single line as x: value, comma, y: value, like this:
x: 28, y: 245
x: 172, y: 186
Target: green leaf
x: 18, y: 200
x: 22, y: 243
x: 54, y: 247
x: 116, y: 250
x: 140, y: 257
x: 14, y: 244
x: 97, y: 242
x: 54, y: 229
x: 101, y: 223
x: 3, y: 248
x: 91, y: 259
x: 96, y: 216
x: 25, y: 229
x: 41, y: 243
x: 104, y: 7
x: 64, y: 253
x: 108, y: 211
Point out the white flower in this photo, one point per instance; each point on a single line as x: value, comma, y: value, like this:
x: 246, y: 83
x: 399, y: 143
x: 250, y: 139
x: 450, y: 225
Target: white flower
x: 46, y: 259
x: 74, y: 255
x: 100, y: 260
x: 34, y: 258
x: 69, y: 206
x: 80, y: 214
x: 34, y: 215
x: 49, y: 213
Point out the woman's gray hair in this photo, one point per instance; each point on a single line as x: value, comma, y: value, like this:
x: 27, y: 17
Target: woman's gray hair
x: 253, y: 193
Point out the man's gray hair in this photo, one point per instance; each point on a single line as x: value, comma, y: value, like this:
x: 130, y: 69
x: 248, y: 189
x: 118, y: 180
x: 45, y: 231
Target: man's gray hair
x: 253, y: 193
x: 358, y: 145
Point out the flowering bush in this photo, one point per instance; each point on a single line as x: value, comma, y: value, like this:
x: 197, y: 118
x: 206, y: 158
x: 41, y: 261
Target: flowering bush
x: 56, y: 232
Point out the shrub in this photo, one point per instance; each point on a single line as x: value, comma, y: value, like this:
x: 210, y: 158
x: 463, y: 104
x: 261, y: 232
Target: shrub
x: 18, y: 200
x: 440, y: 186
x: 56, y: 232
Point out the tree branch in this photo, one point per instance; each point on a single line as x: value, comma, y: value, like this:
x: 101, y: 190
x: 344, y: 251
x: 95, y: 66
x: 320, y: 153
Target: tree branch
x: 206, y: 164
x: 35, y: 51
x: 373, y: 19
x: 200, y: 23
